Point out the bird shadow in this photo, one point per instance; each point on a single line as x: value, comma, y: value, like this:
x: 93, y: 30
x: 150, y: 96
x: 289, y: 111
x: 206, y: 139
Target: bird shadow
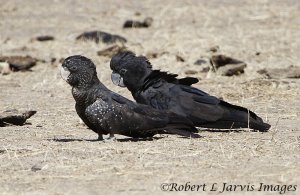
x: 131, y: 139
x: 72, y: 140
x: 96, y: 140
x: 191, y: 137
x: 4, y: 124
x: 227, y: 130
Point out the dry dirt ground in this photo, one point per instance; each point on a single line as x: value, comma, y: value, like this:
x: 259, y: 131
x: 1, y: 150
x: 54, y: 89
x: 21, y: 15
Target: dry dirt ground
x: 71, y: 162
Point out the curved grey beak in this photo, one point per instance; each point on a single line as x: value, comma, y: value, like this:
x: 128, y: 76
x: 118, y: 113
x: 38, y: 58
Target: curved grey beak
x: 117, y: 79
x: 64, y: 73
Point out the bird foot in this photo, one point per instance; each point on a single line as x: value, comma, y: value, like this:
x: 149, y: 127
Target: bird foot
x: 110, y: 139
x: 100, y: 137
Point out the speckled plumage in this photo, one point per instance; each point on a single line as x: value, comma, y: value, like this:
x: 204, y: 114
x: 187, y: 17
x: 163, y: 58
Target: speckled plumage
x: 164, y: 91
x: 106, y: 112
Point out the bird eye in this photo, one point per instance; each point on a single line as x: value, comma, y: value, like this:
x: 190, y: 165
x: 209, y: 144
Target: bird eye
x: 73, y: 68
x: 123, y: 71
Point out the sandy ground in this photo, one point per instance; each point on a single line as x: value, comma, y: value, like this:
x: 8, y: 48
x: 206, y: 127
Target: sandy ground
x: 73, y: 163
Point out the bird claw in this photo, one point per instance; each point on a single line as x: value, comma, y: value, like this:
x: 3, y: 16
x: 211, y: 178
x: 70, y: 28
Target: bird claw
x: 110, y: 139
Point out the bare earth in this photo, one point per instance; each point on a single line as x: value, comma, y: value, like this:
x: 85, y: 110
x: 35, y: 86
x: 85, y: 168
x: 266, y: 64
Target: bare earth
x: 71, y: 162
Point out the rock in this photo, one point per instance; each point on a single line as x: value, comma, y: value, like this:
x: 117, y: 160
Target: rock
x: 44, y: 38
x: 232, y: 69
x: 200, y: 62
x: 137, y: 13
x: 137, y: 24
x: 205, y: 69
x: 39, y: 167
x: 112, y: 50
x: 190, y: 72
x: 220, y: 60
x: 19, y: 63
x: 155, y: 54
x: 15, y: 117
x: 52, y: 60
x: 61, y: 60
x: 227, y: 66
x: 281, y: 73
x: 180, y: 58
x: 214, y: 49
x: 98, y: 36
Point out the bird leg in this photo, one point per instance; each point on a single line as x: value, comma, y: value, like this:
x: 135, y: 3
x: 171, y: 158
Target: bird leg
x: 100, y: 137
x: 111, y: 138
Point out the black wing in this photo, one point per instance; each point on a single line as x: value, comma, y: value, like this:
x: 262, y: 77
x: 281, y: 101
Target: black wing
x: 122, y: 116
x: 153, y: 118
x: 204, y: 110
x: 185, y: 100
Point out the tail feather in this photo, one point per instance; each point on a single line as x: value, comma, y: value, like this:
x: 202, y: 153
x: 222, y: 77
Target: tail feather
x: 238, y: 117
x: 223, y: 124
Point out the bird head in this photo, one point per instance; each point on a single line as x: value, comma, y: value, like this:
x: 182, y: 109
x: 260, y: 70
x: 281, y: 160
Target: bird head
x: 78, y: 71
x: 129, y: 70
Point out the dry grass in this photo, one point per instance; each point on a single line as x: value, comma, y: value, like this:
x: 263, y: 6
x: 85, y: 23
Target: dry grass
x: 72, y: 162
